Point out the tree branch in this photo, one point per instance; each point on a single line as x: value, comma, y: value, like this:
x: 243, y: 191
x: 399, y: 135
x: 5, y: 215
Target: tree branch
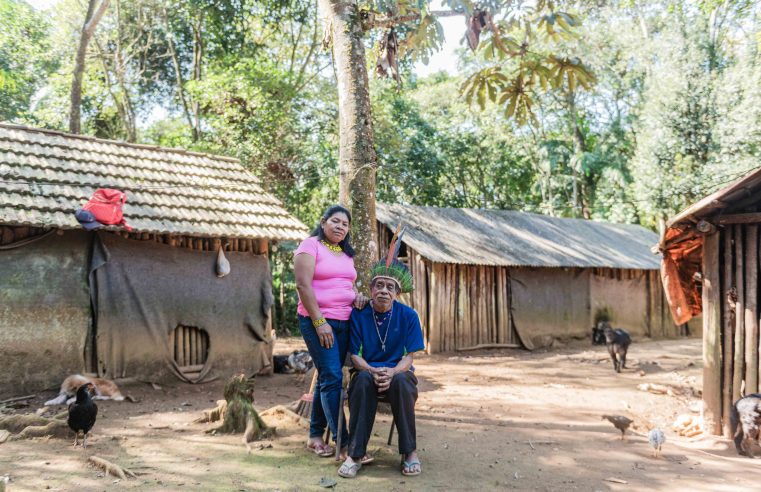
x: 401, y: 19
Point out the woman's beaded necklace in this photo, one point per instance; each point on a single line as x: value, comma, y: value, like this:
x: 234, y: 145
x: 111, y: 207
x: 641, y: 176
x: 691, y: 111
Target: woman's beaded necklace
x: 384, y: 317
x: 331, y: 247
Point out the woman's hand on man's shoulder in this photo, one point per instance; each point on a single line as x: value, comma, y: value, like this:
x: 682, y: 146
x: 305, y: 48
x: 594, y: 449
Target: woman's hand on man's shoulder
x: 360, y: 301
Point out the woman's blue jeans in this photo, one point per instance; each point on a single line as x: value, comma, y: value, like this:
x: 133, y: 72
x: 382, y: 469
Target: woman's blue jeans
x: 327, y: 391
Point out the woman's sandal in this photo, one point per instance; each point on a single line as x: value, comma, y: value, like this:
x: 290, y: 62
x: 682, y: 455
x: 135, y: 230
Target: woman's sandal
x: 321, y: 449
x: 367, y: 459
x: 407, y: 468
x: 349, y: 470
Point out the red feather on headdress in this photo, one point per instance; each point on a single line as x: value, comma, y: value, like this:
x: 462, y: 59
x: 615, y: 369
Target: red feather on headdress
x: 390, y: 255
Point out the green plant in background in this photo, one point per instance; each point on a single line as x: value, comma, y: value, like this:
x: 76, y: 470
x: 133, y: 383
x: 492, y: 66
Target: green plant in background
x: 604, y: 313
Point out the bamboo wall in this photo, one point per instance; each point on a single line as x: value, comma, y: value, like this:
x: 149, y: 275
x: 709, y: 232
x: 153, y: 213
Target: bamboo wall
x: 730, y: 321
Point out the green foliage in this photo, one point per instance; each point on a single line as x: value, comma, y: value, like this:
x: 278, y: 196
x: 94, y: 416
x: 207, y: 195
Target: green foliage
x: 24, y: 56
x: 627, y: 111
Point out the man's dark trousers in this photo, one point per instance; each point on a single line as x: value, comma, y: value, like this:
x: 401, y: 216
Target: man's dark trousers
x: 363, y: 404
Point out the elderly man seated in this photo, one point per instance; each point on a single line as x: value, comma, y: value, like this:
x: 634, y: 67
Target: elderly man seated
x: 383, y: 337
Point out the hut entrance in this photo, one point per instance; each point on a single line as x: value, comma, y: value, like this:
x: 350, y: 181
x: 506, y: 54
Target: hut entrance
x: 190, y: 346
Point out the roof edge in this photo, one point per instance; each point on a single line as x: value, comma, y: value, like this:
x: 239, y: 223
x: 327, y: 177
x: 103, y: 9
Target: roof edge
x: 174, y: 150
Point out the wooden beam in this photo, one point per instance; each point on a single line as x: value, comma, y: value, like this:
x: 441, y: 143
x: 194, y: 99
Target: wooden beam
x: 739, y: 338
x: 728, y: 295
x: 749, y: 218
x: 711, y: 336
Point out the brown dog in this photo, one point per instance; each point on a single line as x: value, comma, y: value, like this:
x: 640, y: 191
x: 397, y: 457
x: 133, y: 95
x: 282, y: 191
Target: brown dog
x: 105, y: 389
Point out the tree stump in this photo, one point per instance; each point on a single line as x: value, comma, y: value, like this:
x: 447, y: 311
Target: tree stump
x: 240, y: 415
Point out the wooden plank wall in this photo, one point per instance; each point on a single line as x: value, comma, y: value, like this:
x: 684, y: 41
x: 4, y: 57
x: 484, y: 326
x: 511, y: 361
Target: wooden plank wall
x: 467, y: 305
x: 460, y: 306
x: 730, y: 321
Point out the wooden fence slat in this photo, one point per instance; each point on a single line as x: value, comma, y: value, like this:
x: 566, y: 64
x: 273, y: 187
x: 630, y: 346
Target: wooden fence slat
x: 434, y: 329
x: 739, y: 348
x: 711, y: 335
x: 172, y: 345
x: 751, y: 312
x: 729, y: 326
x: 180, y: 358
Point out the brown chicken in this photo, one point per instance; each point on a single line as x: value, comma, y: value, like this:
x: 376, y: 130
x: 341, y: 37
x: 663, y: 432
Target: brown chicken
x: 620, y: 422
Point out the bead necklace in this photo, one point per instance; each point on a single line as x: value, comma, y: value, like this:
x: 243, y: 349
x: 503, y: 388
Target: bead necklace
x: 331, y: 247
x: 379, y: 323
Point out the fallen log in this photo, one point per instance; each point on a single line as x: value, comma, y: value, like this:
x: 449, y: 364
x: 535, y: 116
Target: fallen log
x: 18, y: 398
x: 488, y: 346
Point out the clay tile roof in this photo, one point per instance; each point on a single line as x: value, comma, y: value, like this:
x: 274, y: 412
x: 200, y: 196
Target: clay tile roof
x: 46, y: 175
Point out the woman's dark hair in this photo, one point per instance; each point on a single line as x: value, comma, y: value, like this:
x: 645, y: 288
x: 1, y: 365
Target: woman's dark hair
x: 330, y: 212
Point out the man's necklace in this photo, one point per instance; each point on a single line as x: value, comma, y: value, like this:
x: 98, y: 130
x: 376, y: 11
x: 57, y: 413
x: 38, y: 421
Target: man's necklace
x: 379, y: 323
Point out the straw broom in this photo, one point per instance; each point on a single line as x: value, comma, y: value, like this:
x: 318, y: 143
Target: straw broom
x: 303, y: 406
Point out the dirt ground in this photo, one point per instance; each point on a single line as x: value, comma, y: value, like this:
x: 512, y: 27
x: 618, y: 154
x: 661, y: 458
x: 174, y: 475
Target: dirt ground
x: 488, y: 420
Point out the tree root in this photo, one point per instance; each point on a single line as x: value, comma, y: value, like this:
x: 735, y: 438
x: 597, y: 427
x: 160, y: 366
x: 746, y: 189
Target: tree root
x: 28, y: 426
x: 213, y: 414
x: 111, y: 468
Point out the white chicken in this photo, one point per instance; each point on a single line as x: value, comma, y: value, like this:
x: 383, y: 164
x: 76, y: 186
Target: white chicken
x: 656, y: 437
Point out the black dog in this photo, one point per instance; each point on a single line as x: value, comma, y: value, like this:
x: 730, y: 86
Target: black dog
x: 598, y: 336
x: 745, y: 421
x: 618, y: 341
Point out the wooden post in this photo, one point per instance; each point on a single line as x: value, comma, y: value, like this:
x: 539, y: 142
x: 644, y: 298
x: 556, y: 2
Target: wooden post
x: 739, y: 348
x: 434, y: 302
x: 711, y: 335
x: 751, y: 314
x: 180, y: 357
x: 729, y: 326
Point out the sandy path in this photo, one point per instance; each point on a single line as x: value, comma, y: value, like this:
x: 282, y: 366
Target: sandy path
x: 491, y: 420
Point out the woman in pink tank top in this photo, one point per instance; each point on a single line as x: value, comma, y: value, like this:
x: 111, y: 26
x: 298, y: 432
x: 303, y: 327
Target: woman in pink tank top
x: 325, y: 276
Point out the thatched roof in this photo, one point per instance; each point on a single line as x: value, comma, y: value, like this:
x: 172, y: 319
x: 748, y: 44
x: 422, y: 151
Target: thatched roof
x: 507, y: 238
x: 45, y: 176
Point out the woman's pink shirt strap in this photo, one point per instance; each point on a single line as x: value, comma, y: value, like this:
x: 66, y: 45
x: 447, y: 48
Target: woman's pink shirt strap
x: 333, y: 281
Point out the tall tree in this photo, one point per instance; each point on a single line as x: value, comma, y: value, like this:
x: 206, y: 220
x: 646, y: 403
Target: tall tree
x: 356, y: 157
x: 411, y: 26
x: 95, y: 12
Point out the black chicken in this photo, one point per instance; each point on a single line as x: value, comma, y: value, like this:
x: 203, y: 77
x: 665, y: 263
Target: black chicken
x: 619, y: 422
x: 82, y: 413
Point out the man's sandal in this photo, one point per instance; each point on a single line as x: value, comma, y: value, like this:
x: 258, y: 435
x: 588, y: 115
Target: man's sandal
x: 407, y: 468
x: 349, y: 470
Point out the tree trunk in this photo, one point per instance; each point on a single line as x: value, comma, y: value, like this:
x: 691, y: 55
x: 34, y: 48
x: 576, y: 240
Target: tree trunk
x: 92, y: 18
x: 357, y: 159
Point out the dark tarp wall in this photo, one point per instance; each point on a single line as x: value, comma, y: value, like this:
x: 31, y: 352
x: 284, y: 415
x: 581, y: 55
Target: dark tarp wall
x: 550, y: 302
x: 143, y: 290
x: 625, y: 299
x: 44, y: 312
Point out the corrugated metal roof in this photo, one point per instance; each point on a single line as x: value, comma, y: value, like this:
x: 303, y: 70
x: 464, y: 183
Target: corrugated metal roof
x: 45, y: 176
x: 508, y: 238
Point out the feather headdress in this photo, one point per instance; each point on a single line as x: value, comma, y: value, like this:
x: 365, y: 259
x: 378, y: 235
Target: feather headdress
x: 392, y: 268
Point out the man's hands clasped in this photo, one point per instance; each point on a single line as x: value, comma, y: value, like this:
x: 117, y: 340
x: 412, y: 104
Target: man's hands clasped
x: 382, y: 377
